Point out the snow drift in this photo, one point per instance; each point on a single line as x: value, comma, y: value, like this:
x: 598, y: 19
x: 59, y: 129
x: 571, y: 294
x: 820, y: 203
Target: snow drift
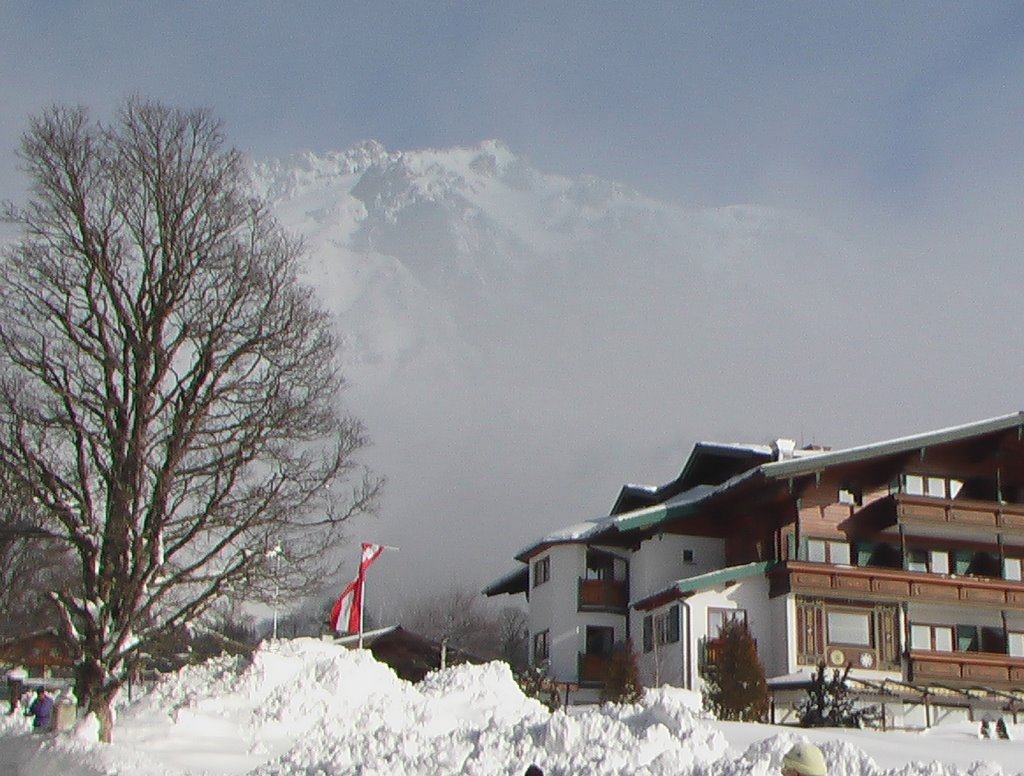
x: 311, y: 707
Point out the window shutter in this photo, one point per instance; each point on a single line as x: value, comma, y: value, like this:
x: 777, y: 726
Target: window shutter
x: 864, y: 552
x: 673, y: 624
x: 962, y: 560
x: 966, y: 638
x: 648, y: 633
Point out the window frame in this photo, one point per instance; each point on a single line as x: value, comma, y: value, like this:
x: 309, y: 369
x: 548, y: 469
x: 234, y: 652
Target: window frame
x: 541, y: 570
x: 933, y: 633
x: 868, y: 616
x: 729, y: 616
x: 541, y: 646
x: 828, y: 549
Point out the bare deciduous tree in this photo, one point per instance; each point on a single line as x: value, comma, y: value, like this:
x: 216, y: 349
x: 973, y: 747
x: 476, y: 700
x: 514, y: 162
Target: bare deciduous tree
x: 460, y: 618
x: 168, y: 393
x: 513, y: 637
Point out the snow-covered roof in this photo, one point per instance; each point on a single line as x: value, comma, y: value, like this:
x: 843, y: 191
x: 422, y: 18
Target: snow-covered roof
x: 370, y: 635
x: 682, y: 587
x: 782, y: 469
x: 802, y: 462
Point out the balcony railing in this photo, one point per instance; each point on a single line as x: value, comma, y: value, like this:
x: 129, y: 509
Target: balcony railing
x: 711, y: 650
x: 968, y: 668
x: 960, y: 513
x: 603, y: 595
x: 592, y: 669
x: 884, y: 584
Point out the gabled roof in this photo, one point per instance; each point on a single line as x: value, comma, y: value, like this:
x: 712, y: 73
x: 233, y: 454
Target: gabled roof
x: 803, y: 462
x: 689, y: 501
x: 798, y: 466
x: 683, y: 588
x: 710, y: 463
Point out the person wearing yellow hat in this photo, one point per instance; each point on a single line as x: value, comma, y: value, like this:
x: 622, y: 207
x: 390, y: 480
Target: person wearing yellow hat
x: 804, y: 760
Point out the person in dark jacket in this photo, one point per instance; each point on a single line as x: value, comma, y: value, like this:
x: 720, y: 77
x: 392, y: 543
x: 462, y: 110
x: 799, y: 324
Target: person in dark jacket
x: 42, y: 709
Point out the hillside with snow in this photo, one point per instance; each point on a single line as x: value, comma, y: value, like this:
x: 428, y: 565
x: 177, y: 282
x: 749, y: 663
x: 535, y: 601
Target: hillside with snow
x: 522, y: 343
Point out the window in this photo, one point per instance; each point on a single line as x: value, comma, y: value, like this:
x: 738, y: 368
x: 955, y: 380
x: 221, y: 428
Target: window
x: 688, y: 556
x: 540, y: 647
x: 933, y: 561
x: 936, y: 487
x: 718, y: 617
x: 967, y: 639
x: 828, y: 551
x: 1011, y: 569
x: 934, y: 638
x: 542, y: 571
x: 605, y: 566
x: 849, y: 627
x: 880, y: 555
x: 661, y: 628
x: 666, y: 626
x: 1015, y: 644
x: 917, y: 560
x: 851, y: 496
x: 599, y: 640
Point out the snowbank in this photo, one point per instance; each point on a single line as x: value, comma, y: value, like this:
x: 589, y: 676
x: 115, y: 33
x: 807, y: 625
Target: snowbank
x: 313, y: 708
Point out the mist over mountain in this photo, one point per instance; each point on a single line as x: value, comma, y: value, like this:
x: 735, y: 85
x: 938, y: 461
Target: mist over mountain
x: 520, y: 344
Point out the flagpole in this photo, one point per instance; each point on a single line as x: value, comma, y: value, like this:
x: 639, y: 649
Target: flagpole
x: 362, y: 605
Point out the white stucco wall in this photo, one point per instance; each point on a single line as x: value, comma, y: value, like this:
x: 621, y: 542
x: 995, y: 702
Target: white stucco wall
x: 659, y: 562
x: 553, y: 607
x: 665, y: 663
x: 750, y: 594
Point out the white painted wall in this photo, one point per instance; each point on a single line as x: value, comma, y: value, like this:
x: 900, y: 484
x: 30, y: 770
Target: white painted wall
x: 659, y: 562
x: 553, y: 607
x: 665, y: 663
x: 750, y: 594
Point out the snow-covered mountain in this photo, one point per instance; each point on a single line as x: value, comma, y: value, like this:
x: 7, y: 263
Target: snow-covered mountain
x: 521, y: 343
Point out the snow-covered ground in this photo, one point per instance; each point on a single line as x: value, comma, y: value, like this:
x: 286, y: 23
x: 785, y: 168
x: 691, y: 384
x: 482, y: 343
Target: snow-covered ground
x: 313, y: 708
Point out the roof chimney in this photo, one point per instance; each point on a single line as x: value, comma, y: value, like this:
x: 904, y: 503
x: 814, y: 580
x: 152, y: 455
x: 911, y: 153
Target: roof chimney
x: 783, y: 449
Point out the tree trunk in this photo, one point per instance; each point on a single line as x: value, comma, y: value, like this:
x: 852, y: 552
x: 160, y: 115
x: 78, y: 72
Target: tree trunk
x: 96, y: 692
x: 100, y: 703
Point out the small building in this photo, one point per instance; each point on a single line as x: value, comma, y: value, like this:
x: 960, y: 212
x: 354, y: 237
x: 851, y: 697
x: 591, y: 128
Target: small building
x: 409, y: 655
x: 43, y: 654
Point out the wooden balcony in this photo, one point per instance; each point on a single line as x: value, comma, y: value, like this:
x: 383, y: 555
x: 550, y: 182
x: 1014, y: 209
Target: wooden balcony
x: 974, y: 669
x: 591, y: 669
x: 603, y: 595
x: 882, y: 584
x: 976, y: 516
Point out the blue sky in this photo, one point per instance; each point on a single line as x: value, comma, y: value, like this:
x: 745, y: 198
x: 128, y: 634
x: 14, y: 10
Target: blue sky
x: 875, y: 105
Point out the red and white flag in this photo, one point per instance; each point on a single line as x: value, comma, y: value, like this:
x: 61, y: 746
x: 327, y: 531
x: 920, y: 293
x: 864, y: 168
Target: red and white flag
x: 347, y: 612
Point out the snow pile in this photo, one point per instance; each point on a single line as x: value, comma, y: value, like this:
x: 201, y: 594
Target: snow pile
x: 314, y: 708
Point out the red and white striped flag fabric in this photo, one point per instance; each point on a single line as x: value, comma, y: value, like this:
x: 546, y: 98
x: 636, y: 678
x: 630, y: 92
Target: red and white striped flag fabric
x: 347, y: 611
x: 344, y: 614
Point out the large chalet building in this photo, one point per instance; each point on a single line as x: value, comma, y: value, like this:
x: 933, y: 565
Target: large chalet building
x: 901, y: 559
